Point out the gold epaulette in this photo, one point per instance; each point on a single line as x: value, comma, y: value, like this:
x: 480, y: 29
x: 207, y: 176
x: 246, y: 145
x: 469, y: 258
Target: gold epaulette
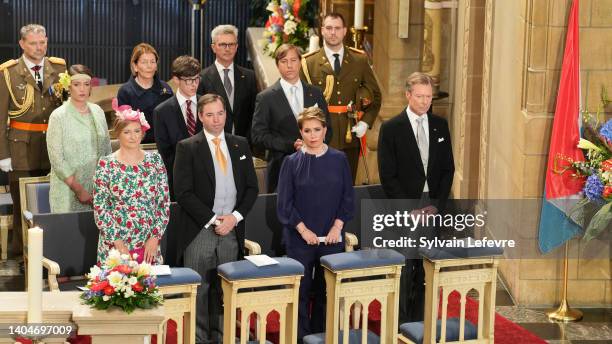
x: 57, y: 60
x: 8, y: 64
x: 359, y: 51
x: 310, y: 53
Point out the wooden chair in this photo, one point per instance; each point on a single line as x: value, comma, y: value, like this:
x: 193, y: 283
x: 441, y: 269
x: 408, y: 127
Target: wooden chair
x: 260, y: 290
x: 456, y: 270
x: 6, y: 213
x: 358, y: 278
x: 32, y: 203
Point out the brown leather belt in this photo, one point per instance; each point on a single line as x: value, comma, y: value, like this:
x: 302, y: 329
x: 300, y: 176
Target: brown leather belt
x: 337, y: 109
x: 29, y: 126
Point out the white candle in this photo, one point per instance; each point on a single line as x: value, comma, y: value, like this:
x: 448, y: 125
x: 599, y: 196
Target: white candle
x: 314, y: 43
x: 358, y: 24
x: 35, y: 255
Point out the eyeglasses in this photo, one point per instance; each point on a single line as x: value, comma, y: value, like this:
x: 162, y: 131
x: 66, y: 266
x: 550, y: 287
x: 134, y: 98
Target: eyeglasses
x: 191, y: 81
x: 333, y: 28
x: 227, y: 45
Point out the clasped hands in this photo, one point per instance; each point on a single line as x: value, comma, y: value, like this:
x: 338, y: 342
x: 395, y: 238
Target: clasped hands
x: 150, y: 249
x: 333, y: 236
x: 224, y: 224
x: 82, y: 195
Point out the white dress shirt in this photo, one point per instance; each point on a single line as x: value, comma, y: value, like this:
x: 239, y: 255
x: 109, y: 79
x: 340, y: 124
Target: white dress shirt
x: 31, y: 64
x: 182, y: 100
x: 230, y: 74
x: 212, y: 147
x: 413, y: 122
x: 330, y: 55
x: 300, y: 93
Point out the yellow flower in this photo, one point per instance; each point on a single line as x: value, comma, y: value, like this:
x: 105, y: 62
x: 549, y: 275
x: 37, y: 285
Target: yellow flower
x: 113, y: 259
x: 115, y: 278
x: 144, y: 269
x: 64, y: 80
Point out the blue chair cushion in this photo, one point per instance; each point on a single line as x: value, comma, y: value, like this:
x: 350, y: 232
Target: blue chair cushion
x: 414, y: 330
x: 362, y: 259
x: 179, y: 276
x: 244, y: 269
x: 354, y: 338
x: 252, y: 341
x: 436, y: 253
x: 6, y: 204
x: 38, y: 198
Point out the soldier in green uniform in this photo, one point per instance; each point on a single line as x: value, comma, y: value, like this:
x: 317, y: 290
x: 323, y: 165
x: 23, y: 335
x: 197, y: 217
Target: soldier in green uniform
x: 27, y: 98
x: 344, y: 76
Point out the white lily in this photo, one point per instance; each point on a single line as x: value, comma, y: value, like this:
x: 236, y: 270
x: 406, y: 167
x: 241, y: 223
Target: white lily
x: 586, y: 144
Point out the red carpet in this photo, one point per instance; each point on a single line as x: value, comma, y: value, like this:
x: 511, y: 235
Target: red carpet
x: 506, y: 332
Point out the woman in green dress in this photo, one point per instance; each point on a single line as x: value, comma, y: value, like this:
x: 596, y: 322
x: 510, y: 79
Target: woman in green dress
x: 77, y: 137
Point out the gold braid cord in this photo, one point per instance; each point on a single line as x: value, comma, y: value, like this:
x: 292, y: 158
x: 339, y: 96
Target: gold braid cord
x: 27, y: 101
x: 305, y: 70
x: 329, y: 87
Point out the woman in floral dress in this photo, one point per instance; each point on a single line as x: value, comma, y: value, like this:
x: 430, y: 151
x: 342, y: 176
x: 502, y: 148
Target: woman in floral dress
x: 130, y: 198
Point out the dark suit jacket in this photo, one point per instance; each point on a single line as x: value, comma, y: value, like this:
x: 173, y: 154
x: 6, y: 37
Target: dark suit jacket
x: 170, y: 128
x: 275, y: 127
x: 245, y: 90
x: 399, y: 162
x: 194, y: 184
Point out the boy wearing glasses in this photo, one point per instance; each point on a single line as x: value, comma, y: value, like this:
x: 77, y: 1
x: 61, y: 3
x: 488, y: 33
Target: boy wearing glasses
x: 235, y: 84
x: 176, y: 118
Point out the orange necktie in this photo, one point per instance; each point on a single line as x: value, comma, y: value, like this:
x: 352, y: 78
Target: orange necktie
x: 219, y: 155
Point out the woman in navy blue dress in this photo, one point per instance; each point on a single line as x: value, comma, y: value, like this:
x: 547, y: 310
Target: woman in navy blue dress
x: 315, y: 200
x: 144, y: 90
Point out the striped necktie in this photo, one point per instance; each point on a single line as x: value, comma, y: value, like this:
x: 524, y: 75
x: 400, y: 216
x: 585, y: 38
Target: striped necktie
x: 191, y: 124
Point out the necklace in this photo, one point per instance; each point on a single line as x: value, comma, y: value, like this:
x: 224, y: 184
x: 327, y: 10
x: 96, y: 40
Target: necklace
x: 81, y: 109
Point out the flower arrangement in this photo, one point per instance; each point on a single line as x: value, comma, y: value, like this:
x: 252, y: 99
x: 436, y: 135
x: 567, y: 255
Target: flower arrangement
x: 121, y: 282
x: 285, y: 24
x: 595, y: 171
x: 60, y: 88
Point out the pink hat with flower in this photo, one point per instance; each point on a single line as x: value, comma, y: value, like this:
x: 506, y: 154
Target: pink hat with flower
x: 125, y: 113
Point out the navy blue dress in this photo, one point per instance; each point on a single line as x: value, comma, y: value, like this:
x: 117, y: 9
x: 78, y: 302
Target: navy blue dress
x: 144, y: 100
x: 316, y: 191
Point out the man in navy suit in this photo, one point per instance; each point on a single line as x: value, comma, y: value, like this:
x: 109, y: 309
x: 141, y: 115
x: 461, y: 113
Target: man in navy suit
x: 415, y: 161
x: 275, y: 125
x: 216, y: 186
x: 234, y: 83
x: 175, y: 118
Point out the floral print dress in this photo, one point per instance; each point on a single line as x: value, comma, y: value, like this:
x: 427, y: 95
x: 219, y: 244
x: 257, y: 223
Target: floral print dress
x: 131, y: 203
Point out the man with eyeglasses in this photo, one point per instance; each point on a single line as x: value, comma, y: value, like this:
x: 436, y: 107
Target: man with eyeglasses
x: 176, y: 118
x: 235, y: 84
x: 344, y: 76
